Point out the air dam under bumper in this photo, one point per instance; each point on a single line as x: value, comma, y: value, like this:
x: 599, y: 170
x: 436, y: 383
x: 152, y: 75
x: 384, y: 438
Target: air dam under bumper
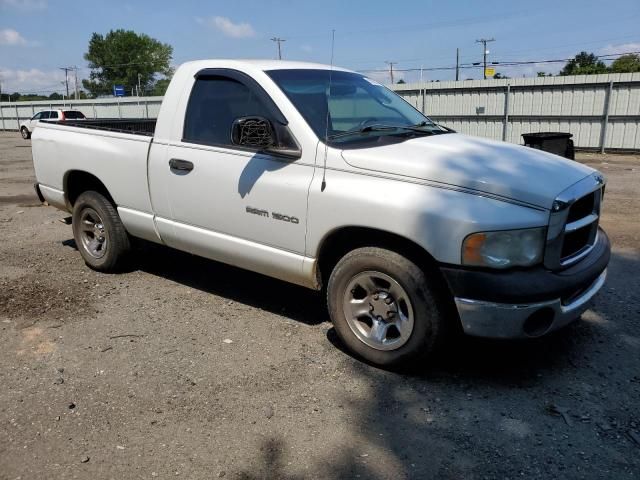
x: 527, y: 303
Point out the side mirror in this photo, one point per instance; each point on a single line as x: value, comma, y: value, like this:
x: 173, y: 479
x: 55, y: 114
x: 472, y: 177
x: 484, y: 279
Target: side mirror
x: 253, y: 132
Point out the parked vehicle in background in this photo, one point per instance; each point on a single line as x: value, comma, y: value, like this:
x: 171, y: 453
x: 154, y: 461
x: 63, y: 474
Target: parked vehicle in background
x: 27, y: 127
x: 322, y: 177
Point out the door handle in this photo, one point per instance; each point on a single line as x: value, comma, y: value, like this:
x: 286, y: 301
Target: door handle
x: 180, y: 165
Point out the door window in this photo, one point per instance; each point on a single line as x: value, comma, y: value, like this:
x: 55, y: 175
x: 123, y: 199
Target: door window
x: 53, y: 115
x: 214, y: 104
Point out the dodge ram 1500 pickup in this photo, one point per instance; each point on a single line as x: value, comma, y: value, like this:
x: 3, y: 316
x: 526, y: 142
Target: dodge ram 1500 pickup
x: 319, y: 176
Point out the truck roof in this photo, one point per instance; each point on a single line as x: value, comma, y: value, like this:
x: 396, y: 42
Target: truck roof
x: 263, y: 64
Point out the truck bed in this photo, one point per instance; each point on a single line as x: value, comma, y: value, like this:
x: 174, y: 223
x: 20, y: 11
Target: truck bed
x: 137, y: 126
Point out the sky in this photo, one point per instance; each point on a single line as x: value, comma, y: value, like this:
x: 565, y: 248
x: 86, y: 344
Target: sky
x: 37, y: 37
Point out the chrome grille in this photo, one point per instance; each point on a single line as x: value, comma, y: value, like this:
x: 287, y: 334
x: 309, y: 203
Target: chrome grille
x: 573, y: 223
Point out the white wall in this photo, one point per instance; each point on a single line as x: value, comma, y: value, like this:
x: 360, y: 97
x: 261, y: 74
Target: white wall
x: 585, y: 105
x: 11, y: 114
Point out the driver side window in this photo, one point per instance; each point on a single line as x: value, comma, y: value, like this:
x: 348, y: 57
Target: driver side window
x: 214, y: 104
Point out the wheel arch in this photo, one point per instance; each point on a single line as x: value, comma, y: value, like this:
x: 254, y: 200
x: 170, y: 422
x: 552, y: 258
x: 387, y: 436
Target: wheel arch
x: 340, y: 241
x: 77, y: 182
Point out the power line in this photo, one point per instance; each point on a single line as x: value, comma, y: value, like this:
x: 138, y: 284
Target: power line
x: 611, y: 56
x: 605, y: 57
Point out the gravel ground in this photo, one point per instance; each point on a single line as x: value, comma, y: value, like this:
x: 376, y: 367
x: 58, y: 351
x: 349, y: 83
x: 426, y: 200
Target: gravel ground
x: 187, y: 368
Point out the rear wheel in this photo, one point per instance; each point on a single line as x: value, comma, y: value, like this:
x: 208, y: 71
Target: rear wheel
x: 384, y: 307
x: 26, y: 134
x: 99, y: 233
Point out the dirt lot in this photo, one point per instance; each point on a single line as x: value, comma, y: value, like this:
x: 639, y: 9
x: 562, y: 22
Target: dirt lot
x: 187, y: 368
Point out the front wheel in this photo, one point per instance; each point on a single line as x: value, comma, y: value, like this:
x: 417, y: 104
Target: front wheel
x: 384, y: 307
x: 99, y: 233
x: 26, y: 134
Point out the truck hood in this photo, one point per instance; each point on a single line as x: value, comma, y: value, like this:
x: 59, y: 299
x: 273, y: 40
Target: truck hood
x: 454, y: 160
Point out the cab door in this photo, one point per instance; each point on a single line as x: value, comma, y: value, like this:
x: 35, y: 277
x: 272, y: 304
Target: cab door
x: 233, y: 204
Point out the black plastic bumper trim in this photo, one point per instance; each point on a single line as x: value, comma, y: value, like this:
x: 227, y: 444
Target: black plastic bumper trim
x: 529, y: 285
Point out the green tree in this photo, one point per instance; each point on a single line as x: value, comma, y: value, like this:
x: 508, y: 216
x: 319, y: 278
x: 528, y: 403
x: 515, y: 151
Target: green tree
x: 159, y: 88
x: 584, y: 64
x: 401, y: 81
x: 626, y: 63
x: 123, y: 57
x: 55, y: 96
x: 544, y: 74
x: 30, y: 97
x: 499, y: 76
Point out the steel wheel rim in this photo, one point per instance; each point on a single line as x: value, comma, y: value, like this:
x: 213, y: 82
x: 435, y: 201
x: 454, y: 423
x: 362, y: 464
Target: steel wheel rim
x: 24, y: 133
x: 93, y: 234
x: 378, y: 310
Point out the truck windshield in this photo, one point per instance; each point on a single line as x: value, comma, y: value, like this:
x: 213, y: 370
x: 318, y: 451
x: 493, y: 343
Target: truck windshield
x: 355, y: 109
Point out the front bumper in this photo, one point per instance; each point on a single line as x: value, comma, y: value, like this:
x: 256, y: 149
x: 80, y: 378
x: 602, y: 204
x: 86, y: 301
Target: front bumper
x: 529, y: 302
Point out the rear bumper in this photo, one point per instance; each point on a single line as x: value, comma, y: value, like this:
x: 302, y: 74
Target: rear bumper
x: 527, y: 303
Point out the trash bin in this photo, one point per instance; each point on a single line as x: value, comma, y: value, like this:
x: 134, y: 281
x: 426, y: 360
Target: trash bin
x: 552, y: 142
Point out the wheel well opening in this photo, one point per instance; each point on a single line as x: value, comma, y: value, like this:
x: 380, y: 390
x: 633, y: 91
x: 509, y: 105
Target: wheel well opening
x: 78, y: 182
x: 342, y: 241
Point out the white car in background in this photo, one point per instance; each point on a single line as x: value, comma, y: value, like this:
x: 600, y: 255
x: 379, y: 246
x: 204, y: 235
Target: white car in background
x: 26, y: 127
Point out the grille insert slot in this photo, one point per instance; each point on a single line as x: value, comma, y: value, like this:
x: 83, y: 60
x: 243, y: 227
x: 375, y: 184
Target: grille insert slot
x: 582, y: 207
x: 575, y: 241
x: 573, y: 223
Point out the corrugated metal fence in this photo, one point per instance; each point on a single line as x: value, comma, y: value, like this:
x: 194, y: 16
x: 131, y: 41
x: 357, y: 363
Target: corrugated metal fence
x: 11, y: 114
x: 601, y: 111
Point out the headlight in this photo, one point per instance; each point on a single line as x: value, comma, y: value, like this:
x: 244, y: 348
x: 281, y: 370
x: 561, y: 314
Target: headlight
x: 504, y: 249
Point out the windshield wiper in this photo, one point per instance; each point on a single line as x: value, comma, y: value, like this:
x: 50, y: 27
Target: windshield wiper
x: 442, y: 128
x: 383, y: 128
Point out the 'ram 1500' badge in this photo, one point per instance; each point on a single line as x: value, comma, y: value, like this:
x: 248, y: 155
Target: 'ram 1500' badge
x: 274, y: 215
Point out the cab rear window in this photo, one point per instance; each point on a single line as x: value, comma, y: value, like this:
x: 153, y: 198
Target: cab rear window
x: 73, y: 115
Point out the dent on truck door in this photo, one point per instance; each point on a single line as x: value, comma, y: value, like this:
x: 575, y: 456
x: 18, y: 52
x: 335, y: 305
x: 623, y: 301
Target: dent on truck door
x: 227, y: 203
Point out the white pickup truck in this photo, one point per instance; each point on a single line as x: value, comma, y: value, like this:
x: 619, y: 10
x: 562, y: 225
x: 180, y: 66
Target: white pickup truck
x: 322, y: 177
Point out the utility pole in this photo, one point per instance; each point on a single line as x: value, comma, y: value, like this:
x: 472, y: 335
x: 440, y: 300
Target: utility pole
x: 66, y: 77
x: 484, y: 42
x: 457, y: 64
x: 63, y: 97
x: 139, y: 84
x: 75, y: 71
x: 279, y: 41
x: 391, y: 64
x: 422, y: 88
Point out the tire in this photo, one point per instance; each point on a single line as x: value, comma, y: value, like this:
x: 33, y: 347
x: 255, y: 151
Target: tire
x: 26, y: 134
x: 99, y: 233
x: 416, y: 329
